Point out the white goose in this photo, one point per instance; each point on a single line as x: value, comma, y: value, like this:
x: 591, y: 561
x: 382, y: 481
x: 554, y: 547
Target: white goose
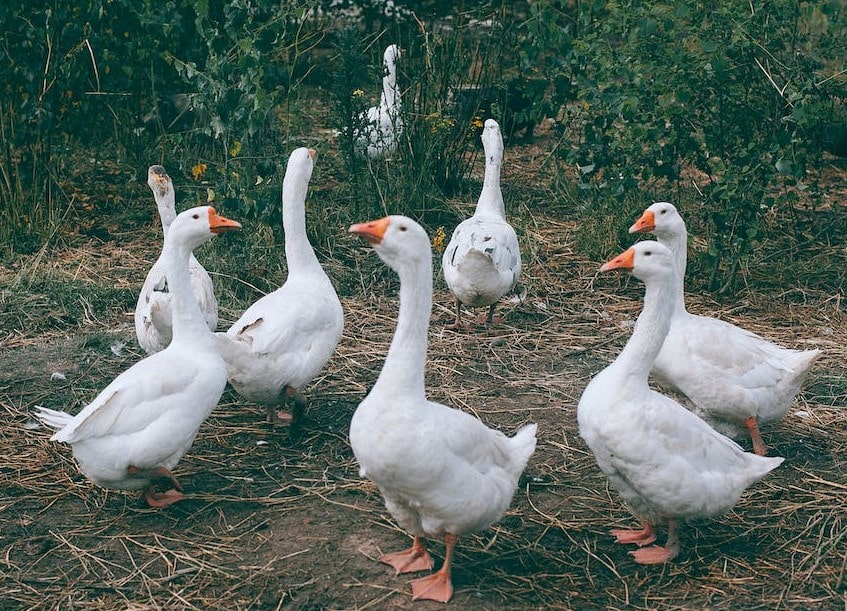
x: 378, y: 131
x: 153, y: 311
x: 442, y: 472
x: 138, y: 428
x: 482, y: 262
x: 285, y: 338
x: 666, y: 462
x: 735, y: 379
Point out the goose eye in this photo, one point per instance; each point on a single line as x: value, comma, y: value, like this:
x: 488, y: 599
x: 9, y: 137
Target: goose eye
x: 402, y: 228
x: 195, y: 216
x: 664, y: 211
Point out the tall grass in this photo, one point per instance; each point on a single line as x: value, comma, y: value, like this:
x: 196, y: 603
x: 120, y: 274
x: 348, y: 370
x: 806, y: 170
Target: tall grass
x: 29, y: 205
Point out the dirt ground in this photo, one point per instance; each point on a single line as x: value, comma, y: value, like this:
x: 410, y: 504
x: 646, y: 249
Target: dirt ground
x: 273, y: 522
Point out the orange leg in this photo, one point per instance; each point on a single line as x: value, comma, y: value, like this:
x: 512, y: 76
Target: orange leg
x: 656, y: 554
x: 457, y: 325
x: 437, y: 586
x: 759, y: 446
x: 642, y: 537
x: 294, y: 417
x: 273, y: 417
x: 414, y: 559
x: 488, y: 317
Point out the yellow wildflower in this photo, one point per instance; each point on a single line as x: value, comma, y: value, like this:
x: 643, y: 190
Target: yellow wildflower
x: 358, y: 93
x: 198, y: 170
x: 438, y: 122
x: 438, y: 239
x: 235, y: 148
x: 477, y: 122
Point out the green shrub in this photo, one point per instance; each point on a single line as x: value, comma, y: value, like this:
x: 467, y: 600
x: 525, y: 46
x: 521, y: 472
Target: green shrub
x: 202, y: 79
x: 685, y: 93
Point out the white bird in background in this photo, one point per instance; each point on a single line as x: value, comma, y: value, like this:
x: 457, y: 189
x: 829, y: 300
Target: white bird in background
x: 482, y: 262
x: 442, y: 472
x: 284, y: 339
x: 138, y: 428
x: 666, y: 462
x: 735, y: 379
x: 377, y: 132
x: 153, y: 310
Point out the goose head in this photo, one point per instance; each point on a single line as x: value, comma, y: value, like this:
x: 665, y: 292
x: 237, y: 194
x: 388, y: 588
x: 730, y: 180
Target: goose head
x: 661, y: 219
x: 647, y: 260
x: 163, y: 192
x: 301, y: 159
x: 398, y: 240
x: 195, y: 226
x: 301, y: 162
x: 159, y: 181
x: 492, y: 141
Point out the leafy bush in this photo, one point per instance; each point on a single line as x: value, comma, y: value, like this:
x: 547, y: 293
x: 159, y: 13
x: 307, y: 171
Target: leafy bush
x: 202, y: 79
x: 683, y: 93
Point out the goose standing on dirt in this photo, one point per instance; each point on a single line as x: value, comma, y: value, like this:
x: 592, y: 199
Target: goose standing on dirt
x: 442, y: 472
x: 482, y: 262
x: 377, y: 131
x: 285, y: 338
x: 138, y: 428
x: 735, y: 379
x: 153, y: 311
x: 666, y: 462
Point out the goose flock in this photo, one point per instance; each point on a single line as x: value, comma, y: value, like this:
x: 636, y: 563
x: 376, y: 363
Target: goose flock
x: 441, y: 471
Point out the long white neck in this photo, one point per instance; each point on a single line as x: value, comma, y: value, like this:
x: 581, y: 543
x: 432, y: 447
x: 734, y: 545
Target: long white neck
x: 650, y: 330
x: 390, y: 94
x: 677, y: 243
x: 491, y: 198
x: 403, y: 370
x: 188, y: 321
x: 167, y: 209
x: 299, y: 254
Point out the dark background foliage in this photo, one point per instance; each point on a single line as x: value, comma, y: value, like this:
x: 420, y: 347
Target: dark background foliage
x: 738, y: 100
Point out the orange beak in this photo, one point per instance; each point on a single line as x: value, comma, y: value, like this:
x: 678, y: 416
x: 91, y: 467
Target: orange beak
x: 645, y: 224
x: 625, y: 260
x: 219, y: 224
x: 372, y: 231
x: 312, y: 153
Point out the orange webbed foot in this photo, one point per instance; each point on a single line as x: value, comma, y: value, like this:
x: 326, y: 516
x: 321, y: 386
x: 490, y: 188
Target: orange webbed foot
x: 159, y: 500
x: 433, y: 587
x: 281, y: 417
x: 482, y: 319
x: 642, y: 537
x: 655, y: 554
x: 458, y: 326
x: 161, y: 478
x: 411, y: 560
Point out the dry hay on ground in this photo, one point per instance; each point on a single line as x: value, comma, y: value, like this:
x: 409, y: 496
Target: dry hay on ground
x: 272, y: 522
